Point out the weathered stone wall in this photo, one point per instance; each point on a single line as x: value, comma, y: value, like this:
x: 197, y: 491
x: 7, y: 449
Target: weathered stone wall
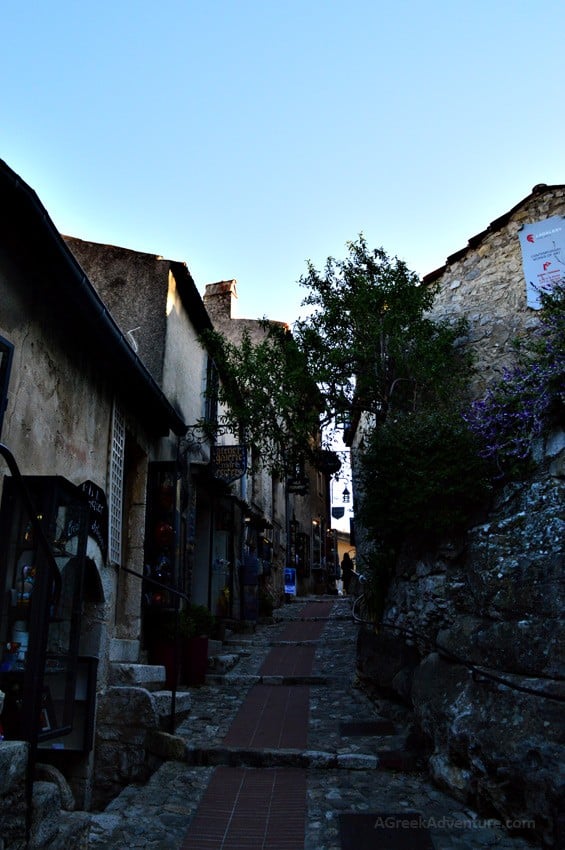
x: 125, y: 716
x: 485, y: 283
x: 127, y: 282
x: 13, y: 766
x: 493, y: 602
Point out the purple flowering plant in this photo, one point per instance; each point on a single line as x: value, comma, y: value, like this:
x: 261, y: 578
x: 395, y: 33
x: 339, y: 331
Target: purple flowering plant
x: 529, y: 398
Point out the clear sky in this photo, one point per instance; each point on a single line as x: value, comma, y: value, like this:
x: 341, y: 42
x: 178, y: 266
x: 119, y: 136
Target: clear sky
x: 247, y: 136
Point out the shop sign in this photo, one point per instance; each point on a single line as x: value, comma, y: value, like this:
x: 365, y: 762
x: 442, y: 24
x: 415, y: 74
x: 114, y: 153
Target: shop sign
x: 229, y: 462
x: 297, y: 485
x: 98, y: 524
x: 543, y: 256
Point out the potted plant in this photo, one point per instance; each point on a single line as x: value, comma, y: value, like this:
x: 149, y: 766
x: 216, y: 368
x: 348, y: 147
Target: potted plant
x: 196, y: 626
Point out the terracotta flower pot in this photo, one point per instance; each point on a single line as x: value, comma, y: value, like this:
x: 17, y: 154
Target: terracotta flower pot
x: 163, y: 654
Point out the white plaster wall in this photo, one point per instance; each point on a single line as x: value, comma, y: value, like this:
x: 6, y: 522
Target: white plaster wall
x: 58, y: 422
x: 184, y: 360
x: 57, y: 419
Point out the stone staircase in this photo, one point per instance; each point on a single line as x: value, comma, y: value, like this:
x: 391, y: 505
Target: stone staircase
x: 149, y: 677
x: 381, y: 738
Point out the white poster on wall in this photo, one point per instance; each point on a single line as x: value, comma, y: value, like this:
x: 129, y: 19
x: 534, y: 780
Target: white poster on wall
x: 543, y: 256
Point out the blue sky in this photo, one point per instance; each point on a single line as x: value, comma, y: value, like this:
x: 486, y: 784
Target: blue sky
x: 245, y: 137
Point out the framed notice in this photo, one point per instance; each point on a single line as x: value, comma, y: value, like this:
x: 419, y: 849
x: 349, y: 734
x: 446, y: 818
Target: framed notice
x: 290, y: 581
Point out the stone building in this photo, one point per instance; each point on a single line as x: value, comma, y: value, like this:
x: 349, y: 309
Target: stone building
x: 82, y: 417
x: 295, y: 516
x: 485, y: 282
x: 156, y: 303
x: 483, y: 669
x: 104, y: 407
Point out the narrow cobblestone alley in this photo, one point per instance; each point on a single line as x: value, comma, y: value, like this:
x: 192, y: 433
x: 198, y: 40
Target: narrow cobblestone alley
x: 286, y: 752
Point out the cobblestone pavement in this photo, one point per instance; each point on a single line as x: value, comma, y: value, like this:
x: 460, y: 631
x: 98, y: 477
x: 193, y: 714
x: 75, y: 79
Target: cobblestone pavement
x: 345, y: 774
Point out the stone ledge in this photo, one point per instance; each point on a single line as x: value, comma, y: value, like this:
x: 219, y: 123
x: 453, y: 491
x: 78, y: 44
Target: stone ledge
x: 136, y: 674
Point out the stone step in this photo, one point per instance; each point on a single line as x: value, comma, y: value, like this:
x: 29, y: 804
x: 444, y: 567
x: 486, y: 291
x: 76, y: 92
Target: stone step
x: 163, y: 702
x: 239, y: 641
x: 215, y: 647
x: 401, y: 761
x: 236, y: 628
x: 149, y: 676
x: 393, y: 760
x: 267, y: 757
x: 222, y: 663
x: 256, y: 679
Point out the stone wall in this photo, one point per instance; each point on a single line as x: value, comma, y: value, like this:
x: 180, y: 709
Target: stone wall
x: 485, y: 283
x: 474, y: 630
x: 490, y: 603
x: 125, y: 716
x: 13, y: 767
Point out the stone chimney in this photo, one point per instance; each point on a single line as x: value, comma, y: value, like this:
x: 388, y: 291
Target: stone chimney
x: 219, y: 300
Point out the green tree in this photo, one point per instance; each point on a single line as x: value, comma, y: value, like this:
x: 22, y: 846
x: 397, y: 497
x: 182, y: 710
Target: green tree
x: 367, y: 345
x: 368, y: 340
x: 267, y: 395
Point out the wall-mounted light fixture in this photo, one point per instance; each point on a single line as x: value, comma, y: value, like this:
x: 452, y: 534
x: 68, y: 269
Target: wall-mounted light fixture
x: 346, y: 495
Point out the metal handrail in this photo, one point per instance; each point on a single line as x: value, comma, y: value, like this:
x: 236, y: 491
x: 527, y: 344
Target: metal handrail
x: 179, y: 594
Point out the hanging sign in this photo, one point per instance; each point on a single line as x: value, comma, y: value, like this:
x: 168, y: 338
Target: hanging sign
x: 98, y: 523
x: 229, y: 462
x: 543, y: 256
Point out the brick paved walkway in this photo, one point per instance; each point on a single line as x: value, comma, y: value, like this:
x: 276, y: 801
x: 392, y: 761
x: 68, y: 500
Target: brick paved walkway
x: 265, y: 809
x: 291, y: 761
x: 245, y: 809
x: 272, y: 716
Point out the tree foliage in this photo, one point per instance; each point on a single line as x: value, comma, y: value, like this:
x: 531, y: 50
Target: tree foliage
x: 267, y: 394
x: 367, y: 338
x: 422, y: 478
x: 367, y: 344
